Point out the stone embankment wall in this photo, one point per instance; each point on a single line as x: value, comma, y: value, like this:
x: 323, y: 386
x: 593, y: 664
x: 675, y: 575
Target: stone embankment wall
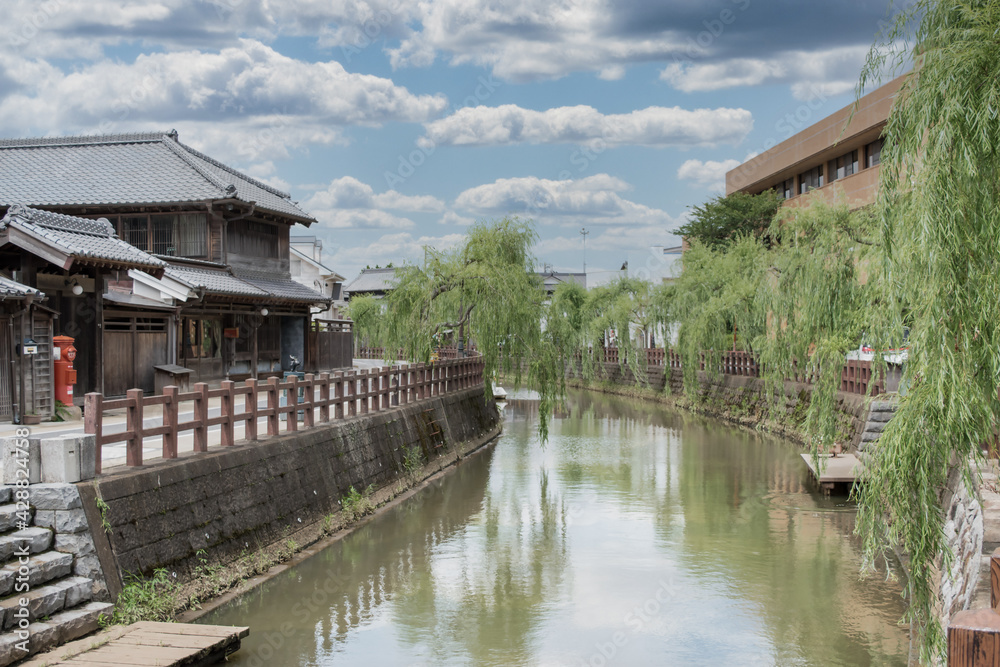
x: 214, y: 508
x: 734, y: 398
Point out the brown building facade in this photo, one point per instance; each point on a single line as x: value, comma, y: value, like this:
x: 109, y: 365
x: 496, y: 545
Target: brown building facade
x: 836, y: 160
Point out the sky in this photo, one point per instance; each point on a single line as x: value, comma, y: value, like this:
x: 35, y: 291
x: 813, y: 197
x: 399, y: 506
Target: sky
x: 398, y: 124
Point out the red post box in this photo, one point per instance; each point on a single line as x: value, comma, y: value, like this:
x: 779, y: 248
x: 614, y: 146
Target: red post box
x: 65, y: 375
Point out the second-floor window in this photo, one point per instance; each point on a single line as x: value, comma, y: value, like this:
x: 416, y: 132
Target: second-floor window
x: 177, y: 234
x: 845, y: 165
x: 254, y: 239
x: 873, y: 153
x: 787, y: 189
x: 810, y: 180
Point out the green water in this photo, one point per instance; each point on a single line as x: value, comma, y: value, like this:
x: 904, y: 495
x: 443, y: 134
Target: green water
x: 635, y: 536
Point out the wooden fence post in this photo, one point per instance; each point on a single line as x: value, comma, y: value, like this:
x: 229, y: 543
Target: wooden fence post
x: 292, y: 421
x: 324, y: 397
x: 93, y: 422
x: 338, y: 395
x: 133, y: 425
x: 170, y: 418
x: 274, y: 418
x: 309, y: 402
x: 228, y: 425
x: 201, y: 416
x: 250, y: 406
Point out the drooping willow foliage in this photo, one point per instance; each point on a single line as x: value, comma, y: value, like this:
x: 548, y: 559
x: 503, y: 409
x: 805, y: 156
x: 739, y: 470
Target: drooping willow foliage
x: 937, y: 271
x: 484, y: 291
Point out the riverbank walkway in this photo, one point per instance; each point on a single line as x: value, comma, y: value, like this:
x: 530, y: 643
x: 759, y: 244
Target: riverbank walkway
x: 115, y: 422
x: 148, y: 643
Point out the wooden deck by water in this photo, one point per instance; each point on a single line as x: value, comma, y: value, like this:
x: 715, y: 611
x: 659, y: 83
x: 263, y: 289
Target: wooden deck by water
x: 149, y: 644
x: 844, y: 469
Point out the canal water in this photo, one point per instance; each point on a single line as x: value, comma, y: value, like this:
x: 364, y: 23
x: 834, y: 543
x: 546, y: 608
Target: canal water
x: 635, y: 536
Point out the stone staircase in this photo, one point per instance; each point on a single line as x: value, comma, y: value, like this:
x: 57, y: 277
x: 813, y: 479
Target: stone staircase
x: 45, y: 601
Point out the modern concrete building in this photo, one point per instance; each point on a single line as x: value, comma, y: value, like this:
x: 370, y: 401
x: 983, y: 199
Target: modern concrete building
x: 835, y: 160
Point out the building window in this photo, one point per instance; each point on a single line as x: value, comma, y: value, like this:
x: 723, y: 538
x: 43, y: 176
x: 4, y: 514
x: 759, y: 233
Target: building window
x: 845, y: 165
x: 787, y: 189
x: 873, y: 153
x: 183, y: 235
x: 254, y: 239
x: 201, y: 339
x: 810, y: 180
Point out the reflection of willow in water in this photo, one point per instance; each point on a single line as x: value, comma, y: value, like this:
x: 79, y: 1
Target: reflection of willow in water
x: 751, y: 521
x: 487, y: 591
x: 457, y: 567
x: 343, y: 588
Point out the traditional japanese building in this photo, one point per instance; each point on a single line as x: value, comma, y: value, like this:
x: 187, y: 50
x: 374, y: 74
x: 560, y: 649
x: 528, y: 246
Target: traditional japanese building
x: 177, y: 258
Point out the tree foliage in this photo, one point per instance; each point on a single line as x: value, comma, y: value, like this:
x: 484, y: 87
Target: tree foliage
x: 719, y: 222
x: 939, y: 230
x: 485, y: 290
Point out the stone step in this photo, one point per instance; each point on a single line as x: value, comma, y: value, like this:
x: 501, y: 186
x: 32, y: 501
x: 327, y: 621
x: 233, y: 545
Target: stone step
x: 47, y: 600
x: 62, y: 627
x: 35, y: 539
x: 9, y: 517
x: 6, y: 493
x: 41, y: 568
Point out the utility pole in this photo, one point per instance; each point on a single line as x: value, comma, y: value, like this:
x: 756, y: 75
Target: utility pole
x: 584, y: 232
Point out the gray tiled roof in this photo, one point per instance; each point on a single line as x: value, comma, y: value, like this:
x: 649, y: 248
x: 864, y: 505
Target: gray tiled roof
x: 372, y: 280
x: 281, y: 288
x: 81, y: 238
x: 217, y: 281
x: 146, y: 168
x: 13, y: 289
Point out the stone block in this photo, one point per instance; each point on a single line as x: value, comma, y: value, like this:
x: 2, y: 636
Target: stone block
x: 60, y: 459
x: 52, y: 496
x: 78, y: 589
x: 71, y: 521
x: 45, y: 518
x: 80, y: 544
x: 12, y: 459
x: 6, y: 492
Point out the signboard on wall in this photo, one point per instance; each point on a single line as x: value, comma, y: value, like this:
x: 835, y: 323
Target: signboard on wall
x: 231, y: 332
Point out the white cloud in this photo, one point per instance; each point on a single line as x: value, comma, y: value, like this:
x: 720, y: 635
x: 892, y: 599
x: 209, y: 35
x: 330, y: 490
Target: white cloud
x: 594, y: 200
x: 529, y: 39
x: 264, y: 102
x: 397, y: 248
x: 810, y: 73
x: 349, y: 203
x: 710, y: 174
x: 653, y: 126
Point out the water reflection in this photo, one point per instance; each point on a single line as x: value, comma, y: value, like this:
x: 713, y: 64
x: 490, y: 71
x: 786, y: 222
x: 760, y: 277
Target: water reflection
x: 635, y: 536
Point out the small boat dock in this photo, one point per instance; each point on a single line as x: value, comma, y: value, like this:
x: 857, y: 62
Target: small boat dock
x: 842, y: 469
x: 148, y: 643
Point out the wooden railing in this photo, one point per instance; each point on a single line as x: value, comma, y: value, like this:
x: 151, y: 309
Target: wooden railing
x: 856, y: 376
x: 312, y: 400
x: 974, y: 635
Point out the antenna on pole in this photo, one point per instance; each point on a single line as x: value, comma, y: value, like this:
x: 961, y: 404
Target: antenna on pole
x: 584, y: 232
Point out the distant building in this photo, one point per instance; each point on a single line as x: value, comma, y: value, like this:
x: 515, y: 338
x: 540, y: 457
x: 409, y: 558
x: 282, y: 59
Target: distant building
x: 552, y: 279
x: 372, y: 282
x: 307, y: 268
x: 832, y: 160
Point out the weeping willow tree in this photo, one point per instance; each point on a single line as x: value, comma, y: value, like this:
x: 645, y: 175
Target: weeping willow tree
x: 813, y: 297
x: 939, y: 226
x: 485, y: 291
x: 714, y: 303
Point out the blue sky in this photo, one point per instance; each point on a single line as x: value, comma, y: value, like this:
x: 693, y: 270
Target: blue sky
x: 397, y: 124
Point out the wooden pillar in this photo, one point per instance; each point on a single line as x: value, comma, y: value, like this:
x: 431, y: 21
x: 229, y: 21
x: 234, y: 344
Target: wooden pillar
x: 133, y: 425
x: 97, y: 364
x: 228, y: 410
x: 250, y: 407
x: 201, y: 415
x: 170, y: 419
